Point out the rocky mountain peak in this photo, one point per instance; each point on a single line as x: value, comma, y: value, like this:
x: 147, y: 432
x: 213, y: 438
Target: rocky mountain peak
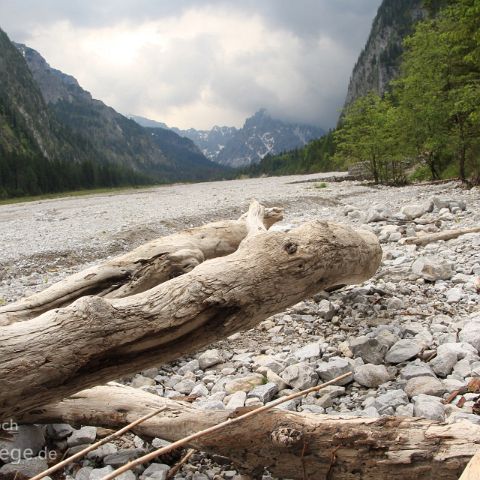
x: 260, y: 135
x: 54, y: 84
x: 379, y: 61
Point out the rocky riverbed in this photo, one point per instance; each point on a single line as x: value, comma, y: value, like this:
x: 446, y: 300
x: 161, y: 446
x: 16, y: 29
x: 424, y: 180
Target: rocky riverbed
x: 410, y: 335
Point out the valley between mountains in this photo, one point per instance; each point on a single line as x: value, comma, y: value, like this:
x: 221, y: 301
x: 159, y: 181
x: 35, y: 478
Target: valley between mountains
x: 409, y: 335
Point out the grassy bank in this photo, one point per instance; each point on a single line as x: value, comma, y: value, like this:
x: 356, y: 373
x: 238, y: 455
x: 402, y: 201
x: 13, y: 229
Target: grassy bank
x: 74, y: 193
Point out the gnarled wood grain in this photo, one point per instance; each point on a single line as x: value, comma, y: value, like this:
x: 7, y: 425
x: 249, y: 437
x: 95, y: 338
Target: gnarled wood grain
x: 97, y: 339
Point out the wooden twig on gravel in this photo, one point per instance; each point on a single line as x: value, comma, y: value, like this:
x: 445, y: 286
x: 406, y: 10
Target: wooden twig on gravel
x: 184, y: 441
x: 95, y: 445
x: 435, y: 237
x: 171, y: 473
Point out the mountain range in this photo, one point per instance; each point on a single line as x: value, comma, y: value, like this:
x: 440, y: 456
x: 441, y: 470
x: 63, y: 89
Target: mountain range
x: 54, y: 136
x: 50, y: 123
x: 238, y: 147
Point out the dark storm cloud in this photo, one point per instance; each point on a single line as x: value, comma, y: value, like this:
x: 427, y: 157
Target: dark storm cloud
x: 196, y: 63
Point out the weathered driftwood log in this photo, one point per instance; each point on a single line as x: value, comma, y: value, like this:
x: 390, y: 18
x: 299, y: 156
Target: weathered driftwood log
x: 97, y: 339
x: 435, y: 237
x: 141, y: 269
x: 472, y: 470
x: 290, y: 445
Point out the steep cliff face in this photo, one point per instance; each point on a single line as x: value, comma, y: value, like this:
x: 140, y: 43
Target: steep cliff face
x: 379, y: 61
x: 26, y: 125
x: 102, y: 134
x: 111, y: 137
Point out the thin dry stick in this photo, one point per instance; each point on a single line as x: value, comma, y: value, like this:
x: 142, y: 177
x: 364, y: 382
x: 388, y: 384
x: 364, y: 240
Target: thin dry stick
x: 178, y: 466
x: 219, y: 426
x: 83, y: 452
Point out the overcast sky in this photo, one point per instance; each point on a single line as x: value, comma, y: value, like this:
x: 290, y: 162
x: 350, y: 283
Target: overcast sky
x: 199, y: 63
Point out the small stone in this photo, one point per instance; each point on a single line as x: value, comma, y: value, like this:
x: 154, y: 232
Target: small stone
x: 82, y: 436
x: 59, y: 431
x: 155, y: 471
x: 432, y: 269
x: 471, y: 334
x: 404, y: 410
x: 244, y: 384
x: 377, y: 214
x: 27, y: 441
x: 427, y: 406
x: 415, y: 210
x: 454, y: 295
x: 371, y: 412
x: 209, y: 359
x: 334, y: 391
x: 128, y: 475
x: 370, y: 375
x: 370, y: 350
x: 99, y: 473
x: 463, y: 368
x: 459, y: 417
x: 272, y: 377
x: 309, y: 351
x: 335, y: 367
x: 263, y: 392
x: 269, y: 362
x: 199, y: 390
x: 326, y: 310
x: 443, y: 364
x: 461, y: 350
x: 325, y: 401
x: 211, y: 405
x: 426, y: 385
x: 317, y: 409
x: 395, y: 304
x: 236, y: 400
x: 83, y: 473
x: 191, y: 366
x: 413, y: 370
x: 403, y: 350
x: 102, y: 451
x: 139, y: 381
x: 391, y: 399
x: 160, y: 443
x: 25, y: 468
x: 387, y: 338
x: 290, y: 406
x: 452, y: 384
x: 185, y: 386
x: 201, y: 476
x: 253, y: 401
x: 123, y: 456
x: 300, y: 375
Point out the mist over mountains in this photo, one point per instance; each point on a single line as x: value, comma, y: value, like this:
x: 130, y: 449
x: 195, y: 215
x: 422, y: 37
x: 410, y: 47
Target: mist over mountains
x: 260, y: 135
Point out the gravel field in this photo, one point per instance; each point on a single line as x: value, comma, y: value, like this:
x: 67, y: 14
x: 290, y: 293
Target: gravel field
x: 410, y: 335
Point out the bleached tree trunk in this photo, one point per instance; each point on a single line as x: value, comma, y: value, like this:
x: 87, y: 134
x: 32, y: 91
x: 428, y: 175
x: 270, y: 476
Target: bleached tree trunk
x: 291, y: 445
x: 97, y: 339
x: 141, y: 269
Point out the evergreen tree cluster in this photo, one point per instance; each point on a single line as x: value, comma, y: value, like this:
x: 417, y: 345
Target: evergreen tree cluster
x: 429, y: 124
